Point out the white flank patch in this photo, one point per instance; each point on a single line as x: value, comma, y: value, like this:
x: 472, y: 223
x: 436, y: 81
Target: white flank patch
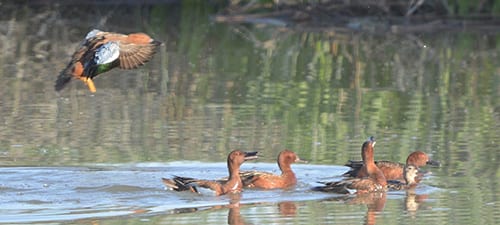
x: 235, y: 186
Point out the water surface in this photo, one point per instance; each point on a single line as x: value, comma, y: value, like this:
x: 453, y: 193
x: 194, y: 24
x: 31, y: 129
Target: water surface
x: 77, y: 158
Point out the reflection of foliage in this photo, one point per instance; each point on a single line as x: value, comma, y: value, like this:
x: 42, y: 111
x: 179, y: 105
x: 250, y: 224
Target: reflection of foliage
x: 320, y: 80
x: 215, y: 87
x: 221, y: 87
x: 368, y: 7
x: 374, y: 16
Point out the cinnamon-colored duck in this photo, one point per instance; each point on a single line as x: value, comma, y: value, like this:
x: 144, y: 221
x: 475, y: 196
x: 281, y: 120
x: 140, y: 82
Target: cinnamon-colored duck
x: 232, y: 185
x: 265, y: 180
x: 374, y: 182
x: 102, y: 51
x: 392, y: 170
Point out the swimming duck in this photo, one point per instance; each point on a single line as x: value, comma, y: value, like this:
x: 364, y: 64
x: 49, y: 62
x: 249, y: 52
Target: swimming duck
x: 265, y: 180
x: 374, y: 182
x: 232, y: 185
x: 392, y: 170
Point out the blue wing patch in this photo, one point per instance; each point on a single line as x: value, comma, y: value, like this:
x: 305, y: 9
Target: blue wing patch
x: 107, y: 53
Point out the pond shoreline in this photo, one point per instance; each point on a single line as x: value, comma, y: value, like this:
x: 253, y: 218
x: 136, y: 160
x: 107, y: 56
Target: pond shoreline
x: 358, y: 17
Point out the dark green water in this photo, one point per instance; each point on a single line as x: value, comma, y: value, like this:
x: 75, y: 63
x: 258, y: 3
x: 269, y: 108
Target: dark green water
x: 216, y: 87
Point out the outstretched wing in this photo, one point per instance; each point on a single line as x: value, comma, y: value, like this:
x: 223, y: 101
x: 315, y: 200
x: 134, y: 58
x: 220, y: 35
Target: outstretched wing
x: 134, y: 55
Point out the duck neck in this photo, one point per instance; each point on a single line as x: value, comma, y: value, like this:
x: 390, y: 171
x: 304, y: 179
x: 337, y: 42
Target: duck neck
x: 286, y: 171
x: 371, y: 168
x: 367, y: 155
x: 373, y: 171
x: 234, y: 181
x: 285, y: 167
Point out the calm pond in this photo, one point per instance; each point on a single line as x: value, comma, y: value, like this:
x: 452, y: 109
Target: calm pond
x: 75, y: 157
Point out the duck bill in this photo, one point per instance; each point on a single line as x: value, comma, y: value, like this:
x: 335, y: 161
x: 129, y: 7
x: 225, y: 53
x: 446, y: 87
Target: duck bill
x: 433, y: 163
x: 301, y: 161
x: 251, y: 155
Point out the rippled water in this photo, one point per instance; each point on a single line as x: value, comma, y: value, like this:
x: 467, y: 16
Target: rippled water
x: 61, y: 194
x: 42, y: 194
x: 79, y: 158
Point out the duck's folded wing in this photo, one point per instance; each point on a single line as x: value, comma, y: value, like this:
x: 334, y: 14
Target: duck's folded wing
x: 210, y: 184
x: 354, y: 164
x: 389, y: 164
x: 340, y: 187
x: 180, y: 184
x: 395, y: 185
x: 247, y: 177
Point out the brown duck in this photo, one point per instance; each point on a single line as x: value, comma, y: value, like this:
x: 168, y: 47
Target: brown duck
x: 392, y: 170
x: 102, y: 51
x: 265, y: 180
x: 232, y: 185
x: 374, y: 182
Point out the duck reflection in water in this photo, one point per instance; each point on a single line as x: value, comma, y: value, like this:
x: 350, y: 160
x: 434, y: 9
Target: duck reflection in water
x: 288, y: 209
x: 234, y: 217
x: 413, y: 201
x: 374, y: 201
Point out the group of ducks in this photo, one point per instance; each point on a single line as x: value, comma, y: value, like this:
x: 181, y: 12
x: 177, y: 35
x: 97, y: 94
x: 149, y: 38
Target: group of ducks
x: 102, y: 51
x: 364, y: 177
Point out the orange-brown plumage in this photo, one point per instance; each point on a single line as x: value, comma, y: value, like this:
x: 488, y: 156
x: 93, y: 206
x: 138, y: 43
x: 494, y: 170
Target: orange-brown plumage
x: 123, y: 51
x: 374, y: 182
x: 232, y: 185
x: 264, y: 180
x: 391, y: 170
